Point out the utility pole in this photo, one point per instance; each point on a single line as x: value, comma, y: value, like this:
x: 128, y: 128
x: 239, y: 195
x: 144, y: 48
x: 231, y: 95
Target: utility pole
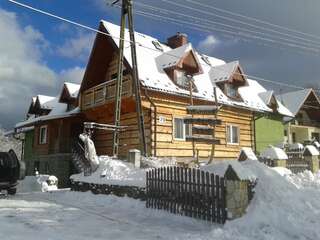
x: 127, y: 11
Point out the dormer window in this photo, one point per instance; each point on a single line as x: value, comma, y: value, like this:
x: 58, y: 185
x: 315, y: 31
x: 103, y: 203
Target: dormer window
x: 231, y: 90
x: 181, y: 78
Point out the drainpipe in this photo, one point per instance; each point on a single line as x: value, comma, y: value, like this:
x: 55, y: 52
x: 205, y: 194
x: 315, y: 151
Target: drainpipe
x: 154, y: 122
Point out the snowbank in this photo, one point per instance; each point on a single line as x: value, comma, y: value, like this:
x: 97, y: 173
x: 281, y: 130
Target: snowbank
x: 282, y: 208
x: 274, y: 153
x: 219, y: 168
x: 115, y: 172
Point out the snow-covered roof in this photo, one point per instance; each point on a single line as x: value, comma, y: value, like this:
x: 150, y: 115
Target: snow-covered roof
x: 172, y: 57
x: 152, y: 61
x: 296, y: 146
x: 316, y: 144
x: 72, y: 88
x: 223, y: 72
x: 248, y: 153
x: 46, y: 102
x: 294, y: 100
x: 58, y: 110
x: 310, y: 149
x: 274, y: 153
x: 266, y: 95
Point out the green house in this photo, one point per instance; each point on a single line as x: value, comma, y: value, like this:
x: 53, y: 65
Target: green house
x: 269, y: 127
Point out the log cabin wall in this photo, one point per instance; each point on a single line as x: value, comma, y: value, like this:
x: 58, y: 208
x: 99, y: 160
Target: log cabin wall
x: 168, y: 107
x: 129, y: 139
x: 61, y: 133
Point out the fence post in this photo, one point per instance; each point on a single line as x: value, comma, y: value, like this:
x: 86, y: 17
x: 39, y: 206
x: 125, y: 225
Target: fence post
x: 236, y: 194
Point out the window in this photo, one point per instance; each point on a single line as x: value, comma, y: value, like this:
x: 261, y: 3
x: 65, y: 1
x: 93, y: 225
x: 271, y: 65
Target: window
x: 181, y: 78
x: 231, y: 90
x: 181, y: 130
x: 293, y: 137
x: 232, y: 134
x: 43, y: 135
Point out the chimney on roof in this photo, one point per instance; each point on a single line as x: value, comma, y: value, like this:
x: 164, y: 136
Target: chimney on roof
x: 178, y: 40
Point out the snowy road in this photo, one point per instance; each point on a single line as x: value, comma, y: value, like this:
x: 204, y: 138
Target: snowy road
x: 76, y: 216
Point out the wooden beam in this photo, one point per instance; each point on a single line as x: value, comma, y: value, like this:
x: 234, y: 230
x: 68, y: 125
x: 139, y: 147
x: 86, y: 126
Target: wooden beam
x: 202, y: 109
x: 207, y: 121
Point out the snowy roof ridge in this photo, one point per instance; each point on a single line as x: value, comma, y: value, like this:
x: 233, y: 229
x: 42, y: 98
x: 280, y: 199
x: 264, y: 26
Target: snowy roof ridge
x: 151, y: 62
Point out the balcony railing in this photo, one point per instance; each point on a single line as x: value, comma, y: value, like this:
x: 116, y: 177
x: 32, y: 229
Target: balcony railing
x: 104, y: 93
x: 310, y: 123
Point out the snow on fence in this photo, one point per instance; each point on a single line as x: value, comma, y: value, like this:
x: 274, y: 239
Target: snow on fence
x: 189, y: 192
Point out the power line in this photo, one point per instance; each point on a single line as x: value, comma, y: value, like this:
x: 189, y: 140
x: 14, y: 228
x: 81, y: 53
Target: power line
x: 219, y: 16
x: 115, y: 37
x: 234, y: 27
x: 253, y: 19
x: 161, y: 10
x: 242, y: 34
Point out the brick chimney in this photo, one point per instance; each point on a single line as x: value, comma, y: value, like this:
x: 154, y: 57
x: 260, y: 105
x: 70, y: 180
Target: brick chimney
x: 178, y: 40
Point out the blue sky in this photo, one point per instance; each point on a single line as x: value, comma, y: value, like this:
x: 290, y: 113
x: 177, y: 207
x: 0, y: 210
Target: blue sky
x: 39, y: 52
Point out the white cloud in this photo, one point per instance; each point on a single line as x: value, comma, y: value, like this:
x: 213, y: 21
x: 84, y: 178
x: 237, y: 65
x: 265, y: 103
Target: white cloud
x: 74, y: 75
x: 208, y: 44
x: 77, y: 47
x: 23, y: 72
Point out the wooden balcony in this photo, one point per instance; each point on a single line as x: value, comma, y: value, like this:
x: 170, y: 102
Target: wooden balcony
x: 105, y: 93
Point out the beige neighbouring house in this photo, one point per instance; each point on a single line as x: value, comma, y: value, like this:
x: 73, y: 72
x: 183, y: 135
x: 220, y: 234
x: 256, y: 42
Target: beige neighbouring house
x: 305, y: 126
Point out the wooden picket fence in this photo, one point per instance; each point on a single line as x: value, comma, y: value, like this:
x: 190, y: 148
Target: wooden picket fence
x: 188, y: 192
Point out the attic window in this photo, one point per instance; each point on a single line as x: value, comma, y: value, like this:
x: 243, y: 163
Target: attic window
x: 205, y: 59
x: 157, y: 45
x: 181, y: 78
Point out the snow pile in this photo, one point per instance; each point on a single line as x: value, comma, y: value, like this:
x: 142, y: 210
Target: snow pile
x: 282, y: 171
x: 274, y: 153
x: 279, y: 209
x: 114, y: 172
x: 153, y: 162
x: 305, y: 179
x: 243, y: 172
x: 7, y: 143
x: 29, y: 184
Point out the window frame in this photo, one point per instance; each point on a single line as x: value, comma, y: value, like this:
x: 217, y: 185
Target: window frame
x: 45, y: 140
x: 184, y: 129
x: 231, y: 135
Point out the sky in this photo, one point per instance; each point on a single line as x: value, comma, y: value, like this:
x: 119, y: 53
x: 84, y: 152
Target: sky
x: 39, y: 53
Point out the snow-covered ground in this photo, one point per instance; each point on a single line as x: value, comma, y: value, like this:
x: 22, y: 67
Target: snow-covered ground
x: 284, y: 208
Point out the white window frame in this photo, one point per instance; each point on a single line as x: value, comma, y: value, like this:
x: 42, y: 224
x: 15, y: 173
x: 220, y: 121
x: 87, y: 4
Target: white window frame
x: 229, y: 141
x: 45, y: 140
x: 184, y: 129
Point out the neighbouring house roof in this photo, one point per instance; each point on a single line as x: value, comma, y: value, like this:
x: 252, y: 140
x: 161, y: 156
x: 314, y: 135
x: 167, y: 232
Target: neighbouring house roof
x: 58, y: 110
x: 72, y: 88
x: 274, y: 153
x: 69, y: 92
x: 46, y: 102
x: 152, y: 62
x: 266, y: 97
x: 294, y: 100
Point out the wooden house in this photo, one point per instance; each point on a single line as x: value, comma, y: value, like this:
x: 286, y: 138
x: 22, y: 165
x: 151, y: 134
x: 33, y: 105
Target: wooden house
x: 52, y: 126
x: 165, y: 70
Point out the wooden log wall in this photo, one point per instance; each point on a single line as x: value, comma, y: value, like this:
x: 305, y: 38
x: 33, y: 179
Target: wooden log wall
x: 167, y: 146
